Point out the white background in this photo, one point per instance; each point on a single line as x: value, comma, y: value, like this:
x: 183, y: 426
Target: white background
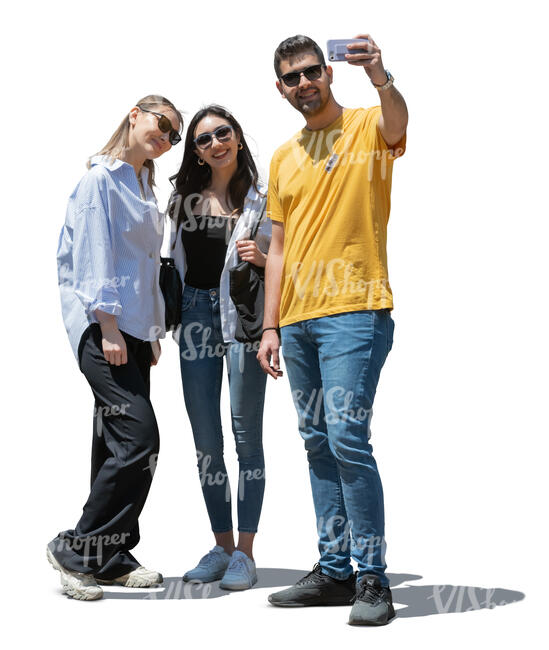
x: 459, y: 429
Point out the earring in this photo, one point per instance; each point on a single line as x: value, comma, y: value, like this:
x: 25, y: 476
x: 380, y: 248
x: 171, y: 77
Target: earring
x: 240, y: 146
x: 200, y: 161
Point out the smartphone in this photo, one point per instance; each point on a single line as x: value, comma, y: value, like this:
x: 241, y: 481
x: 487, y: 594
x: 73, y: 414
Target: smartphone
x: 337, y: 49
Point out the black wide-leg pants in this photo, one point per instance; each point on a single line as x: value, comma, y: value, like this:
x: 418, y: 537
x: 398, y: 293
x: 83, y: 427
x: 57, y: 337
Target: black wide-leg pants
x: 124, y: 453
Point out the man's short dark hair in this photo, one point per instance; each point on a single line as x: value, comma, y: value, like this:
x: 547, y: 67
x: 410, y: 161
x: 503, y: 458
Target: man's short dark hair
x: 296, y: 45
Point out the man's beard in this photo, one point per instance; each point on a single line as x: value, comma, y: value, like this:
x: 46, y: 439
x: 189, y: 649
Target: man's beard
x: 311, y: 106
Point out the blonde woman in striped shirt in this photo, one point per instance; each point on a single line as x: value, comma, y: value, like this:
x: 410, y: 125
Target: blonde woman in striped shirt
x: 108, y: 262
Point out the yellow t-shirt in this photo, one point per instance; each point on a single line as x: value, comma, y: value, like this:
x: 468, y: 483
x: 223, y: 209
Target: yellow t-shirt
x: 331, y: 189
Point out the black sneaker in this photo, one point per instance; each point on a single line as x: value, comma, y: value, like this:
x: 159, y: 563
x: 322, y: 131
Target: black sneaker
x: 316, y: 588
x: 373, y: 604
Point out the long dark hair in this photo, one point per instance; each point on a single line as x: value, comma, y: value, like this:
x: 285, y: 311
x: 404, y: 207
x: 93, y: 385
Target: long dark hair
x: 192, y: 178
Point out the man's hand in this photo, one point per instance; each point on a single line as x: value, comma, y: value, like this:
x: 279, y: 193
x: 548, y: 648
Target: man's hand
x: 269, y: 347
x: 394, y: 114
x: 369, y: 60
x: 249, y: 252
x: 270, y: 344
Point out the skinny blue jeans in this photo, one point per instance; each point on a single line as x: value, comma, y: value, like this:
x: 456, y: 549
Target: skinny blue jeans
x: 202, y: 349
x: 333, y: 364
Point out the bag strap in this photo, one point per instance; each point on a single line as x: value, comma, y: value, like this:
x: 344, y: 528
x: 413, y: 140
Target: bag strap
x: 168, y: 221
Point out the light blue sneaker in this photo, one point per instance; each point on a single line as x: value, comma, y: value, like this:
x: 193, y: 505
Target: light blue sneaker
x: 211, y: 567
x: 240, y: 573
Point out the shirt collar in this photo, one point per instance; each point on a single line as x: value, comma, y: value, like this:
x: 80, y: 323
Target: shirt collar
x: 116, y: 163
x: 107, y: 161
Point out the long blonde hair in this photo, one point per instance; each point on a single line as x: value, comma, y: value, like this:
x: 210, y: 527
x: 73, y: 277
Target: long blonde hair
x: 119, y: 140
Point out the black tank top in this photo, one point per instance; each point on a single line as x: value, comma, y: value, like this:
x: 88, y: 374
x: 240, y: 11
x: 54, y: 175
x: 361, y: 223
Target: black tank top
x: 205, y: 240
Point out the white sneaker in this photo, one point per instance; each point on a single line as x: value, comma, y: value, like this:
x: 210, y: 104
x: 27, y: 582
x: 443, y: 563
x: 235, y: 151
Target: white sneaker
x: 140, y: 577
x: 77, y: 585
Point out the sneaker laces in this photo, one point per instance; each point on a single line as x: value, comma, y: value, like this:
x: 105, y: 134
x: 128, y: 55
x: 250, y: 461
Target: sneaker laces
x: 313, y: 576
x: 368, y: 593
x: 237, y: 563
x: 208, y: 558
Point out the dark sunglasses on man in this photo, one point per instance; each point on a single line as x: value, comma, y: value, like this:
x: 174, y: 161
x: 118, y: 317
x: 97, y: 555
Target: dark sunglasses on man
x: 223, y: 133
x: 312, y: 73
x: 164, y: 125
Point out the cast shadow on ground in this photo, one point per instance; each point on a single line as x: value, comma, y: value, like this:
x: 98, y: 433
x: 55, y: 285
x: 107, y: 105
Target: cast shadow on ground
x: 418, y: 600
x: 426, y: 600
x: 176, y: 589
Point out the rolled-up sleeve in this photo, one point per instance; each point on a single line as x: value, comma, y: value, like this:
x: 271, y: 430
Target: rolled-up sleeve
x: 95, y: 282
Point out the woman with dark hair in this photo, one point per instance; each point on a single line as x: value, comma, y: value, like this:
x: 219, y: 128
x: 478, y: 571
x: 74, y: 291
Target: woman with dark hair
x: 108, y: 263
x: 215, y: 205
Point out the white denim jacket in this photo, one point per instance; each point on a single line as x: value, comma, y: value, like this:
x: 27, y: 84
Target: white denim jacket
x: 254, y: 204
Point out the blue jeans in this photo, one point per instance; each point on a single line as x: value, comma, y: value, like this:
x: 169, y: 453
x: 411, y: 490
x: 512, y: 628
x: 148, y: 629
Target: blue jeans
x: 202, y: 349
x: 333, y: 365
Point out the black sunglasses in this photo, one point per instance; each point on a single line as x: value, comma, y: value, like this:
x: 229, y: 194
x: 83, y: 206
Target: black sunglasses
x: 164, y: 125
x: 312, y: 73
x: 223, y: 133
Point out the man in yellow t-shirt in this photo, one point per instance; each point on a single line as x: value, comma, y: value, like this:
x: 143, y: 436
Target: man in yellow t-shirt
x: 328, y: 298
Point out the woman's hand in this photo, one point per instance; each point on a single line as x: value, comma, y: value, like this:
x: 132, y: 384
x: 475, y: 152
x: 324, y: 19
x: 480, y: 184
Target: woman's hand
x: 249, y: 252
x: 113, y: 343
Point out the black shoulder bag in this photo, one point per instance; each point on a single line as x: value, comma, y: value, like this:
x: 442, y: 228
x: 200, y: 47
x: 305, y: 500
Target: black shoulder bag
x: 247, y: 291
x: 172, y: 290
x: 170, y: 281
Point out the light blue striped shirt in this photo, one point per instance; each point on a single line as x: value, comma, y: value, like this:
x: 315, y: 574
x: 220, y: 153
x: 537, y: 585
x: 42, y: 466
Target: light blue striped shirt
x: 108, y: 256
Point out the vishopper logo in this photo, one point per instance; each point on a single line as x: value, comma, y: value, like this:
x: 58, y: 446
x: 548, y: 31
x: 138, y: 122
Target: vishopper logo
x: 318, y: 146
x: 246, y: 475
x: 220, y: 478
x: 207, y: 478
x: 333, y: 406
x: 156, y: 332
x: 203, y: 348
x: 335, y: 277
x: 178, y: 590
x: 198, y: 343
x: 336, y: 533
x: 91, y: 284
x: 447, y: 598
x: 242, y: 348
x: 92, y: 545
x: 101, y: 412
x: 319, y: 149
x: 203, y: 220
